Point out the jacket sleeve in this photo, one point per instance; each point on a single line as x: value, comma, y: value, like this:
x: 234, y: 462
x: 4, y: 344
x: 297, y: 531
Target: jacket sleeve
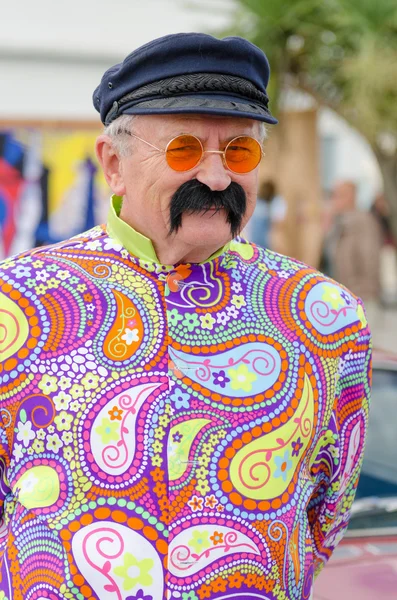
x: 337, y: 460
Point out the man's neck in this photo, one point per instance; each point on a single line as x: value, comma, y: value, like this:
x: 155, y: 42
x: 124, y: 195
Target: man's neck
x: 172, y: 252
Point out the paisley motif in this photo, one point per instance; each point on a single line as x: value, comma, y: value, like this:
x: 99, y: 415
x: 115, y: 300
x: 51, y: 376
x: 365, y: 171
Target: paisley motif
x: 264, y: 468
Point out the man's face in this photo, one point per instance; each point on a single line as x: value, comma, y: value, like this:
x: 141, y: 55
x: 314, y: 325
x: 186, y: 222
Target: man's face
x: 149, y: 183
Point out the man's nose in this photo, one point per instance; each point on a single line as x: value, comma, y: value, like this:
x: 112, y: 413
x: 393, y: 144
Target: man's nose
x: 213, y: 173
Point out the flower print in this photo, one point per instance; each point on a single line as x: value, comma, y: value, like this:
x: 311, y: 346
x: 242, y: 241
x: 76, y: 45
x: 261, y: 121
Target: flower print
x: 95, y: 245
x: 217, y: 538
x: 297, y: 445
x: 41, y: 289
x: 115, y: 413
x: 222, y: 318
x: 220, y: 378
x: 63, y: 421
x: 283, y: 274
x: 283, y: 464
x: 90, y: 381
x: 51, y: 429
x: 18, y: 451
x: 196, y: 503
x: 73, y: 280
x: 48, y: 384
x: 236, y: 287
x: 210, y: 501
x: 157, y: 474
x: 52, y: 268
x: 236, y: 275
x: 201, y: 473
x: 180, y: 398
x: 130, y: 335
x: 52, y: 283
x: 177, y: 437
x: 53, y: 442
x: 168, y: 409
x: 164, y: 420
x: 38, y: 446
x: 30, y: 283
x: 331, y: 294
x: 189, y: 596
x: 190, y: 321
x: 135, y: 571
x: 68, y: 453
x: 81, y: 287
x: 238, y: 301
x: 111, y: 244
x: 37, y: 264
x: 159, y: 433
x: 25, y: 433
x: 157, y: 446
x: 207, y: 449
x: 76, y: 391
x: 64, y: 383
x: 67, y: 437
x: 62, y: 400
x: 242, y: 378
x: 232, y: 312
x: 207, y: 321
x: 62, y: 274
x: 124, y: 253
x: 91, y: 307
x: 199, y: 540
x: 157, y: 461
x: 160, y: 489
x: 219, y: 584
x: 74, y: 406
x: 140, y: 595
x: 173, y: 317
x: 202, y: 487
x: 40, y: 434
x: 87, y: 297
x: 22, y: 271
x: 203, y: 460
x: 236, y: 580
x: 221, y: 434
x: 109, y: 431
x: 346, y: 297
x: 42, y: 275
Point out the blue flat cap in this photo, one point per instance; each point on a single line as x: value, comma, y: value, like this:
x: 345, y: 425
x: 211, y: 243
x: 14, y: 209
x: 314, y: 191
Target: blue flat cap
x: 188, y: 73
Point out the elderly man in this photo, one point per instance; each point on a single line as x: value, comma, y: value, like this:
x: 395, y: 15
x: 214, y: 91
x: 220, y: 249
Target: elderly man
x: 183, y: 412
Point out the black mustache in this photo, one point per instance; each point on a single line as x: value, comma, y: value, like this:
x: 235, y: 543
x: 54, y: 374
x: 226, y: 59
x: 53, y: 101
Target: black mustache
x: 196, y: 197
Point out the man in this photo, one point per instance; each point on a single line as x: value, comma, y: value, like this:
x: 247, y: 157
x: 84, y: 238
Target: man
x: 184, y: 413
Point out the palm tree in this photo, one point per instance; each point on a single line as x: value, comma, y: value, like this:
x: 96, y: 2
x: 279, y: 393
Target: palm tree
x: 343, y: 52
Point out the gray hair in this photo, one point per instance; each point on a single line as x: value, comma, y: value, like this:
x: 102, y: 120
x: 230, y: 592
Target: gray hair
x: 122, y: 142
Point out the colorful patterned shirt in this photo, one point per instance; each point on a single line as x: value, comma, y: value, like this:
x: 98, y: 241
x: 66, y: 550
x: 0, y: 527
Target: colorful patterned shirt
x: 174, y: 432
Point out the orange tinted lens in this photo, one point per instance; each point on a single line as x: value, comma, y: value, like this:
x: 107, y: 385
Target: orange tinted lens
x: 183, y: 152
x: 243, y: 154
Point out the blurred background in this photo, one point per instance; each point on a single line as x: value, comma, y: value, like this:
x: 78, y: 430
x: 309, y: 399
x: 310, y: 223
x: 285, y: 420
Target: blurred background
x: 328, y: 183
x: 328, y: 192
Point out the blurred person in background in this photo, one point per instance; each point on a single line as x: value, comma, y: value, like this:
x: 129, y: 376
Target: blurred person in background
x: 353, y: 245
x: 388, y: 257
x: 183, y: 412
x: 269, y: 214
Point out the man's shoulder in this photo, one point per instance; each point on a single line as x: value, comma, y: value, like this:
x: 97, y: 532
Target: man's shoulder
x: 80, y: 241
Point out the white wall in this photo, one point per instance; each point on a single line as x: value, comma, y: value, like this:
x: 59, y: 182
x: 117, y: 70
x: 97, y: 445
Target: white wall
x: 53, y: 54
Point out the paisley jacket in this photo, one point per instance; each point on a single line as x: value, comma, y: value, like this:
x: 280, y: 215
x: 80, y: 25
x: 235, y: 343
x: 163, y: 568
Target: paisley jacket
x: 174, y: 432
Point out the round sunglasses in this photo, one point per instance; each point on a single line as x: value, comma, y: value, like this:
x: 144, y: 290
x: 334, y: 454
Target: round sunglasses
x: 184, y: 152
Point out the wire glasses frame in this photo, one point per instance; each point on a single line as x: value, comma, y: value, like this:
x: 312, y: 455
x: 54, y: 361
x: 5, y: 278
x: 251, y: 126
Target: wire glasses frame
x: 248, y: 164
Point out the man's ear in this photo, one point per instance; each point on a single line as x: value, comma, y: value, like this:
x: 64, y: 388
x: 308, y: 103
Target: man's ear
x: 111, y: 164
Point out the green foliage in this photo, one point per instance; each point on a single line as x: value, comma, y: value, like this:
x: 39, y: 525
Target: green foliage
x: 342, y: 51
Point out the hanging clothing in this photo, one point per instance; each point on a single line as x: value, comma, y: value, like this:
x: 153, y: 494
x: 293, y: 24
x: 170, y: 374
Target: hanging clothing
x: 175, y: 432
